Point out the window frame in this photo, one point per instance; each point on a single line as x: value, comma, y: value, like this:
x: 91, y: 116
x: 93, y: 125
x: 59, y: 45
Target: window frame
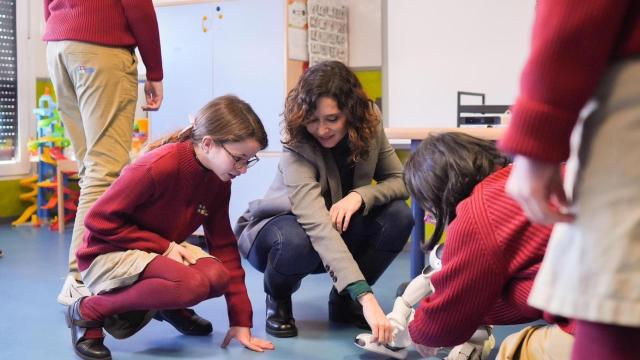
x: 21, y: 165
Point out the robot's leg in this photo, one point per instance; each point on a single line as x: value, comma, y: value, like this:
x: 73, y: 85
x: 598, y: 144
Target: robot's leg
x: 476, y: 348
x: 364, y: 341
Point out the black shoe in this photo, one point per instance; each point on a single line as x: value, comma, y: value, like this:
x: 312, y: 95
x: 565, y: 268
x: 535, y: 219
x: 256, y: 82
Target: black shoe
x: 87, y: 349
x: 343, y: 309
x: 186, y: 321
x: 280, y: 322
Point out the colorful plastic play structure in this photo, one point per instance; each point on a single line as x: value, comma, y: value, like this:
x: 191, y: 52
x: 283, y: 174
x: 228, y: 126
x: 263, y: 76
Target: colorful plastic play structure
x: 48, y: 147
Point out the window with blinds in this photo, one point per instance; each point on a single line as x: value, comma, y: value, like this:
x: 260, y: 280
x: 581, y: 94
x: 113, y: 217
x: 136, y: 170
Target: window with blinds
x: 8, y: 82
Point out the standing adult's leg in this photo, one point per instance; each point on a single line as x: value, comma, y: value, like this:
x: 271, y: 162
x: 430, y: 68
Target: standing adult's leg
x: 98, y: 93
x: 106, y: 85
x: 72, y: 119
x: 606, y: 342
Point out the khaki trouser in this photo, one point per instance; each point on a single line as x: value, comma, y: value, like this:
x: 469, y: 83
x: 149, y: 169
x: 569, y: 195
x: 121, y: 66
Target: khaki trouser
x: 540, y: 342
x: 97, y: 89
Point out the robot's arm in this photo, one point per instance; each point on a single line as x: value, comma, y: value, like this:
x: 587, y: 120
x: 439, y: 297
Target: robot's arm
x: 417, y: 289
x: 402, y: 313
x: 421, y: 286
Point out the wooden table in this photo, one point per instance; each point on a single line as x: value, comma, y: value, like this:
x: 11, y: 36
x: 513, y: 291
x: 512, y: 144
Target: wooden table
x: 416, y: 135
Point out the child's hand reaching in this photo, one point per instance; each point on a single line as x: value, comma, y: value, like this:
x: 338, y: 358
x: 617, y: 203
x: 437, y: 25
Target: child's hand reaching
x: 180, y: 254
x: 243, y: 335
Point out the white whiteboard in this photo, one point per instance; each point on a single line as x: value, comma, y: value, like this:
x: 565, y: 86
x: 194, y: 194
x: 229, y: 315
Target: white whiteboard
x: 434, y: 48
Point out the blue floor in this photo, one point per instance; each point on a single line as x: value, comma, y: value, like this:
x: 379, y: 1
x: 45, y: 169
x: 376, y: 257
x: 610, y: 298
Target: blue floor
x: 32, y: 322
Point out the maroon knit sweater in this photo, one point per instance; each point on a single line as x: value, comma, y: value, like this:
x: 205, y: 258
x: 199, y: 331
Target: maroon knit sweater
x: 122, y: 23
x: 165, y: 196
x: 491, y: 256
x: 573, y: 43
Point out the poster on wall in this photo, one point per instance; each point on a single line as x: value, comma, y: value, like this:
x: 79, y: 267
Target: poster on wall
x: 297, y: 30
x: 328, y: 36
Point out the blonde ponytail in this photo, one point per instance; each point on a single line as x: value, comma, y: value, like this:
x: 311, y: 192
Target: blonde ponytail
x: 178, y: 136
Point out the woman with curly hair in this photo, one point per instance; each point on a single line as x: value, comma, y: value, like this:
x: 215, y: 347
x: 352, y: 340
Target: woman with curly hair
x: 322, y: 213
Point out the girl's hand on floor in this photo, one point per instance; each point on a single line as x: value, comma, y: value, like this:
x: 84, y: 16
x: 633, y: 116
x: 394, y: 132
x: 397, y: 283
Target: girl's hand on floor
x: 381, y: 329
x: 342, y: 211
x: 243, y: 335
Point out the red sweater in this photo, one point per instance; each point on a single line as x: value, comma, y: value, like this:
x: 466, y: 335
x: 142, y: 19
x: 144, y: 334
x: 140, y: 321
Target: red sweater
x: 490, y: 259
x: 573, y: 43
x: 122, y: 23
x: 162, y: 197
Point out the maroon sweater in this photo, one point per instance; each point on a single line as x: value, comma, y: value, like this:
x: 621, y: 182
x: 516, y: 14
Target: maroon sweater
x: 491, y: 256
x: 122, y: 23
x: 165, y: 196
x: 573, y: 43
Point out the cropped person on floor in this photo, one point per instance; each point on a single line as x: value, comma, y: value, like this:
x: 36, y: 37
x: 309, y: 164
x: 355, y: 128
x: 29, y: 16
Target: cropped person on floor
x: 94, y: 70
x: 322, y: 213
x: 134, y: 255
x: 580, y: 99
x: 492, y: 251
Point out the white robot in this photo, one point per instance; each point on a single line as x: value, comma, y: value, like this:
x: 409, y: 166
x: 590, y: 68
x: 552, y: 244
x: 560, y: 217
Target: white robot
x: 477, y: 347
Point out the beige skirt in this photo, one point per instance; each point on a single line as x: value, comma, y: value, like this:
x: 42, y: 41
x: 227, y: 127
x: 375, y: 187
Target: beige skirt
x: 591, y: 270
x: 119, y: 269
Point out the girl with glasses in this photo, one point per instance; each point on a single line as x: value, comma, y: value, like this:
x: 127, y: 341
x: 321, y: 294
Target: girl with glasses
x: 139, y: 265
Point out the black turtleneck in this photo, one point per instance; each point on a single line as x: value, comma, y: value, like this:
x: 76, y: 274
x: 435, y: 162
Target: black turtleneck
x: 341, y: 155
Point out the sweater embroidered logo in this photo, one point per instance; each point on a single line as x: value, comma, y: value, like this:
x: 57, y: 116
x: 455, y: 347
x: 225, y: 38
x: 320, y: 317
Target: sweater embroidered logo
x: 85, y: 70
x: 202, y: 210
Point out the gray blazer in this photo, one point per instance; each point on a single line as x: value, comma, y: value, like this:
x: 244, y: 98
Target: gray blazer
x: 308, y: 183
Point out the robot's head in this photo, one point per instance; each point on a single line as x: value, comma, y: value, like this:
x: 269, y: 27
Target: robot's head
x: 435, y: 257
x: 435, y: 262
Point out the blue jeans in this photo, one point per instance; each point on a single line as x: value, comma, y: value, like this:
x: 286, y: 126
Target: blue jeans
x: 283, y: 251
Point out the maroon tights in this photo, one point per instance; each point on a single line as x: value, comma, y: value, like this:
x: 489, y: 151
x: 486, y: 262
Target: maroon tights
x: 164, y: 284
x: 605, y: 342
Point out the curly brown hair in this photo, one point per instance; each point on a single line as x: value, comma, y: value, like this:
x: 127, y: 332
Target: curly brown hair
x: 334, y: 80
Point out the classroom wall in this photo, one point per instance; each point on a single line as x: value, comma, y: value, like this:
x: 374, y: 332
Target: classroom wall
x: 432, y: 49
x: 365, y: 33
x: 37, y: 48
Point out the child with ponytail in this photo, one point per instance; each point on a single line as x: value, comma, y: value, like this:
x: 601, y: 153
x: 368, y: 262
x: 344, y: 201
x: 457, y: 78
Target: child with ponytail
x: 134, y: 256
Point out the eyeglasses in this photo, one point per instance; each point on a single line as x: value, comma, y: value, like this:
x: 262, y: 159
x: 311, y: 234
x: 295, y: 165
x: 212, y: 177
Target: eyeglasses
x: 241, y: 163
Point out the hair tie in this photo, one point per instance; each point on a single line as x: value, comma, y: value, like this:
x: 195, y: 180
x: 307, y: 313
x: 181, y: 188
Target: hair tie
x: 189, y: 127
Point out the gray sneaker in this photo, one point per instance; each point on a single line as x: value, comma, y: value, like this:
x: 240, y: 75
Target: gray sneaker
x: 71, y: 291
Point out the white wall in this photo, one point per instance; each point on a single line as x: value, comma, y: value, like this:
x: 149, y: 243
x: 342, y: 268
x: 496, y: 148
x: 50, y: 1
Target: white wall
x: 365, y: 33
x: 37, y: 58
x: 432, y: 49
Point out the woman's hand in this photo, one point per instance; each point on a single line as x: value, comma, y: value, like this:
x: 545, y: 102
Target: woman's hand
x: 180, y: 254
x: 342, y: 211
x: 537, y: 187
x: 381, y: 329
x: 243, y: 335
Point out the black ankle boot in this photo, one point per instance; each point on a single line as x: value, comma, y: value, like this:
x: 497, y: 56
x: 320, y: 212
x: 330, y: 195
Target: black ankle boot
x: 343, y: 309
x: 280, y: 322
x: 88, y: 349
x: 186, y: 321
